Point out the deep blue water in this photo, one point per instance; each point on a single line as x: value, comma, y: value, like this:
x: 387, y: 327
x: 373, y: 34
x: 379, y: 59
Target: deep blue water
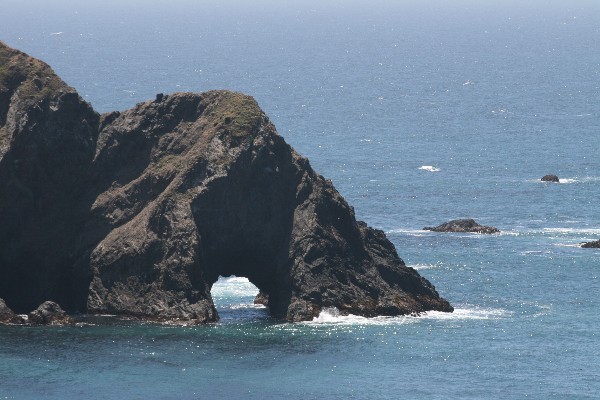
x: 420, y: 112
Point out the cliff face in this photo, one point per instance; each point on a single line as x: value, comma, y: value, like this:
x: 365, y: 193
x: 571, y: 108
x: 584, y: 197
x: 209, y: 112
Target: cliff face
x: 138, y: 213
x: 47, y: 143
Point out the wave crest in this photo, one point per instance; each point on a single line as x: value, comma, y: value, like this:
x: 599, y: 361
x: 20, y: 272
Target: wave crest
x: 429, y: 168
x: 332, y: 315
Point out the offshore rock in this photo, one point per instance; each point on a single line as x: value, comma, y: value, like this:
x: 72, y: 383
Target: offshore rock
x: 591, y: 245
x: 464, y: 226
x: 137, y: 213
x: 49, y: 313
x: 550, y: 178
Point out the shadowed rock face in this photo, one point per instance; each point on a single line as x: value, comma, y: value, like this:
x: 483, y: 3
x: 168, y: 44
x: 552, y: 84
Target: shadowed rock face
x: 138, y: 213
x: 47, y: 144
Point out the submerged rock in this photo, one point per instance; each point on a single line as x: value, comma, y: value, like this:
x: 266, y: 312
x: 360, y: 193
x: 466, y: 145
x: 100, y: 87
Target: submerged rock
x: 463, y: 225
x: 591, y: 245
x: 137, y: 213
x: 49, y: 313
x: 550, y: 178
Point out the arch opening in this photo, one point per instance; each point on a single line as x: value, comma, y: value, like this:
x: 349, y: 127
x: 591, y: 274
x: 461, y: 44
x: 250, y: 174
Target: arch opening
x: 245, y: 222
x: 234, y: 298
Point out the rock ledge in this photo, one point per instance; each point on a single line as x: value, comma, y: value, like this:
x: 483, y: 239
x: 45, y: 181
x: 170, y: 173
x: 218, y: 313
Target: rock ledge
x: 464, y: 226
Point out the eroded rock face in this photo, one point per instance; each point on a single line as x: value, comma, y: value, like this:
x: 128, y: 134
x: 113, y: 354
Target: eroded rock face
x: 464, y: 226
x: 147, y: 208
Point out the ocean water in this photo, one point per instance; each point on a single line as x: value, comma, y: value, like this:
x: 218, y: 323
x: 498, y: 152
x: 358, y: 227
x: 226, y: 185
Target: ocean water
x: 420, y: 112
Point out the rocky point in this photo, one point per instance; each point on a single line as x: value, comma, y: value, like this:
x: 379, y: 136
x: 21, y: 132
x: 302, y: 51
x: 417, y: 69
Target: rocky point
x: 137, y: 213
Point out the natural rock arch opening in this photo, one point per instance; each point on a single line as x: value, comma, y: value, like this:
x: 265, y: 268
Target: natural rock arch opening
x: 234, y: 299
x: 245, y: 222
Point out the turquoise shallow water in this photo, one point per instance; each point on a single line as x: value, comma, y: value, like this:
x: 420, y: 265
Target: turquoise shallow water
x: 419, y: 112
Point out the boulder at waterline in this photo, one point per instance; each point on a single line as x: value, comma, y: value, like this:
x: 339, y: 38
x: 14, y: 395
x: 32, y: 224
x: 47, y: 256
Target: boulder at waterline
x: 550, y: 178
x: 49, y: 313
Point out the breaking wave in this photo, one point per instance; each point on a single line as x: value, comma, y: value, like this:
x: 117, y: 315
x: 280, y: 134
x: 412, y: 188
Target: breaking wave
x: 333, y: 316
x: 420, y: 266
x: 429, y: 168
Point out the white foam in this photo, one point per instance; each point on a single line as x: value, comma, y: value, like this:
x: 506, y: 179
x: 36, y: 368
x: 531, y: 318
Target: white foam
x: 509, y: 233
x: 331, y: 316
x: 469, y: 314
x: 429, y: 168
x: 244, y: 306
x: 568, y: 244
x: 419, y: 266
x: 568, y: 180
x: 413, y: 232
x: 571, y: 231
x: 534, y: 252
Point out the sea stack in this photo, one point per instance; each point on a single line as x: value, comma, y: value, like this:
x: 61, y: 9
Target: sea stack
x: 137, y: 213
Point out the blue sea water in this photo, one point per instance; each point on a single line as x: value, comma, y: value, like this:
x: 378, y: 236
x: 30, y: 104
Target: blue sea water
x: 420, y: 112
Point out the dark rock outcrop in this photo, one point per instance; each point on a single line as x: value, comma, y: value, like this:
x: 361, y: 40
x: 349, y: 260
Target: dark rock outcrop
x: 49, y: 313
x: 138, y: 213
x: 262, y: 298
x: 550, y: 178
x: 47, y: 144
x: 7, y: 316
x: 464, y: 226
x: 591, y: 245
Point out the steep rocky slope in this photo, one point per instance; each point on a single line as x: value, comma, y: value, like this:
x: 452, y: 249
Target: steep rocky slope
x: 138, y: 213
x: 47, y: 144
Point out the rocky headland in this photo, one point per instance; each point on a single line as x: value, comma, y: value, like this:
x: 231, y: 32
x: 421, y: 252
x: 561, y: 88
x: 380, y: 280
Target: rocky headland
x: 463, y: 226
x: 137, y: 213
